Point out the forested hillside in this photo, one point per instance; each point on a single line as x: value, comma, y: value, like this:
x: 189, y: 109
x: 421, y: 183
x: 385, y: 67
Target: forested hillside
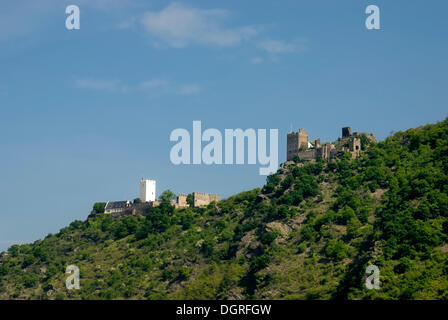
x: 308, y: 233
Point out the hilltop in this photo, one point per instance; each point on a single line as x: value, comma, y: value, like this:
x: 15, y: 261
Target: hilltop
x: 308, y: 233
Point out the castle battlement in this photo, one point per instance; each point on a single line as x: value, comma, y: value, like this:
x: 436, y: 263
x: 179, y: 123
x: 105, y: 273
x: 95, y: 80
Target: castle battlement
x: 204, y: 199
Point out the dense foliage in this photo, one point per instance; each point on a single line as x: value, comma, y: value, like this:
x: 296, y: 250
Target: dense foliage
x: 309, y: 233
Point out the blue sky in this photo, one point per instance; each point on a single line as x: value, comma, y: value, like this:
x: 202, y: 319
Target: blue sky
x: 85, y: 114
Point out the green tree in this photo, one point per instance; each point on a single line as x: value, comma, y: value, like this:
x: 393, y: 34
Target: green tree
x: 167, y: 196
x: 190, y: 200
x: 99, y: 207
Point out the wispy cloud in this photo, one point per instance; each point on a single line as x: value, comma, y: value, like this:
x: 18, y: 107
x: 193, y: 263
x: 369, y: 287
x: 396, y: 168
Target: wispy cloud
x: 279, y: 47
x: 161, y: 86
x: 158, y: 86
x: 25, y: 17
x: 189, y: 89
x: 152, y: 84
x: 175, y: 25
x: 178, y: 26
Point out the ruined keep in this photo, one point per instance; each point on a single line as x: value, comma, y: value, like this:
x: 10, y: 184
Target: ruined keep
x: 346, y: 132
x: 355, y: 147
x: 298, y: 145
x: 297, y: 141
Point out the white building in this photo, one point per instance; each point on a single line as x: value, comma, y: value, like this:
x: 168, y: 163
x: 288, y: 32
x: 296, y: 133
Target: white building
x: 147, y: 190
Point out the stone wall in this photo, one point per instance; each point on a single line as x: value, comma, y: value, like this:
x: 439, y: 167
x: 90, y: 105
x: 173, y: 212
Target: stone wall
x: 182, y: 201
x: 309, y: 154
x: 204, y: 199
x: 143, y: 208
x: 369, y: 136
x: 355, y: 147
x: 325, y: 151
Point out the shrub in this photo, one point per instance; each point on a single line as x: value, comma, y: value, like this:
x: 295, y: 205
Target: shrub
x: 259, y: 263
x: 302, y: 247
x: 183, y: 273
x: 98, y: 207
x: 30, y: 281
x: 336, y: 249
x: 269, y: 237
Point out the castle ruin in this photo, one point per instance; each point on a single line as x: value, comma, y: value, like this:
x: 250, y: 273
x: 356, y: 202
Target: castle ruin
x: 204, y: 199
x: 199, y: 200
x: 182, y: 201
x: 299, y: 145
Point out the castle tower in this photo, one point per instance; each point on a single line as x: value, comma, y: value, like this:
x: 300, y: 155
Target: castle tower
x: 295, y: 142
x: 147, y: 190
x: 346, y: 132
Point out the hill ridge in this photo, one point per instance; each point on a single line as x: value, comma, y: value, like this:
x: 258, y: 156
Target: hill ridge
x: 308, y: 233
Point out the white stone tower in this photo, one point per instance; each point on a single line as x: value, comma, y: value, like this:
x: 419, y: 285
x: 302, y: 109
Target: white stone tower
x: 147, y: 190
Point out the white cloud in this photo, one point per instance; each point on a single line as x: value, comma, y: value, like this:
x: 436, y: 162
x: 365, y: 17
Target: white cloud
x: 277, y: 46
x: 189, y: 89
x: 179, y: 26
